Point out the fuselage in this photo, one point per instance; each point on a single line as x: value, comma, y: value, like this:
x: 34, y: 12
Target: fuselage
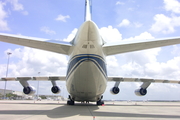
x: 87, y: 74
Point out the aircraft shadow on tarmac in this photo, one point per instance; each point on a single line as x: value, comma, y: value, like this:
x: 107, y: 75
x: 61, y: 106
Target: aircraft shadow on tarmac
x: 83, y: 110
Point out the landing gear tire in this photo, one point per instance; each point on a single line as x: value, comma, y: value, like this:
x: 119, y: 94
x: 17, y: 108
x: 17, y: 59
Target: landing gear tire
x: 100, y: 102
x: 70, y: 102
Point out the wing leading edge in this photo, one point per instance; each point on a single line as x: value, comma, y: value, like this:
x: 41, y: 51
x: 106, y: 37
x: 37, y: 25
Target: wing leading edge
x: 135, y: 45
x: 45, y: 78
x: 122, y: 79
x: 43, y: 44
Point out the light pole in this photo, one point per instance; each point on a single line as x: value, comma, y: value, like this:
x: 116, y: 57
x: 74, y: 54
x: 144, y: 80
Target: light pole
x: 8, y: 53
x: 38, y: 86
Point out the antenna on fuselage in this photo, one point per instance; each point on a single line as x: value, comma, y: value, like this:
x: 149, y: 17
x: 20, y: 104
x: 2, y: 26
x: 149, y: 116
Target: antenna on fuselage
x: 88, y: 10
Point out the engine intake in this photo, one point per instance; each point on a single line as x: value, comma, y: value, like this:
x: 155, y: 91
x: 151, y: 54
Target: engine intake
x: 115, y: 90
x: 55, y: 89
x: 30, y: 90
x: 141, y: 92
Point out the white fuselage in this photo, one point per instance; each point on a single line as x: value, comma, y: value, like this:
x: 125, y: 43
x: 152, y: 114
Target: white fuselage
x: 86, y: 74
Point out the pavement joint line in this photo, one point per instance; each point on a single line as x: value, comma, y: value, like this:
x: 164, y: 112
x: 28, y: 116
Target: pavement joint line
x: 90, y: 111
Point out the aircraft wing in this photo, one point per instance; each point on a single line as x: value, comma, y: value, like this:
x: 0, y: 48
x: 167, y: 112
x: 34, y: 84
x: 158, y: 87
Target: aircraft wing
x: 45, y: 78
x: 43, y: 44
x: 122, y: 79
x: 134, y: 45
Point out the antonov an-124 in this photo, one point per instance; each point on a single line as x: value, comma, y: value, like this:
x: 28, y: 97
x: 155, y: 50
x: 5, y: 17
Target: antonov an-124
x: 86, y: 77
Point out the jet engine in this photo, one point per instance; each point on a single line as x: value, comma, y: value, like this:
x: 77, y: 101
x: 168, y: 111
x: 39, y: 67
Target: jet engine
x: 29, y: 90
x: 55, y: 89
x: 115, y: 90
x: 141, y: 92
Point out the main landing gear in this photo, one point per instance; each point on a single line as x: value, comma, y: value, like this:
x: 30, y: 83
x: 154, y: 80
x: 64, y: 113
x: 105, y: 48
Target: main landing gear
x: 100, y: 102
x: 70, y: 101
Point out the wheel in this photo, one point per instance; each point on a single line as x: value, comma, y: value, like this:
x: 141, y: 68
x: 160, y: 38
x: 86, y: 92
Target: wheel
x: 70, y: 102
x: 100, y: 102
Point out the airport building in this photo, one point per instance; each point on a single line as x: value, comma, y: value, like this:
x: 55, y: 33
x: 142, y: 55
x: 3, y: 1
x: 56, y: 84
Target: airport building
x: 19, y: 95
x: 11, y: 94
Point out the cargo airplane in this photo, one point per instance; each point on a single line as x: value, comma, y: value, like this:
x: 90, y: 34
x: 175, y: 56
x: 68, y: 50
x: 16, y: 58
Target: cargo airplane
x: 86, y: 77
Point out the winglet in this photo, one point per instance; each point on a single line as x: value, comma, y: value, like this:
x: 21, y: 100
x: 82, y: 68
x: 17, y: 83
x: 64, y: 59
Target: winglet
x: 88, y: 10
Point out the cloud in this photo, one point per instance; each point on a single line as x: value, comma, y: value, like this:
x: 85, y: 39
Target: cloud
x: 169, y: 69
x: 47, y: 30
x: 119, y: 3
x: 143, y: 63
x: 62, y: 18
x: 28, y: 62
x: 31, y: 61
x: 137, y: 24
x: 25, y: 13
x: 124, y: 23
x: 142, y: 36
x: 175, y: 50
x: 172, y: 5
x: 71, y: 36
x: 165, y: 24
x: 3, y: 15
x: 18, y: 6
x: 110, y: 34
x: 132, y: 64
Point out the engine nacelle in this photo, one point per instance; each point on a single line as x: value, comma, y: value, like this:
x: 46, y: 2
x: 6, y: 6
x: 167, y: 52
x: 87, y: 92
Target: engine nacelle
x: 141, y: 92
x: 30, y: 90
x: 115, y: 90
x: 55, y: 89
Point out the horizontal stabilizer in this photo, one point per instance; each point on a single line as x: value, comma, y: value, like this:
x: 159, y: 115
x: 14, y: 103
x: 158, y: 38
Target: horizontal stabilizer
x: 43, y: 44
x: 134, y: 45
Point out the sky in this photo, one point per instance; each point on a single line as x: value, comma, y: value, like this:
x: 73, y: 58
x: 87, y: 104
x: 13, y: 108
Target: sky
x: 117, y: 20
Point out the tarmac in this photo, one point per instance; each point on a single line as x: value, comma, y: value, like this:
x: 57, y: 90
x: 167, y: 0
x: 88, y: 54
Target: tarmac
x: 48, y: 110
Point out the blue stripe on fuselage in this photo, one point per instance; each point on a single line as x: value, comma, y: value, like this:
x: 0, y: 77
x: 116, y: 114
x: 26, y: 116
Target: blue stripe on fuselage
x: 78, y: 59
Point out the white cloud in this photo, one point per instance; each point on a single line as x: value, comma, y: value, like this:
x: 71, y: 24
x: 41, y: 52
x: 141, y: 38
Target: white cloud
x: 130, y: 9
x: 166, y: 70
x: 62, y: 18
x: 31, y: 61
x: 172, y: 5
x: 28, y: 62
x: 25, y: 13
x: 47, y: 30
x: 119, y: 3
x: 124, y: 23
x: 110, y: 34
x: 112, y: 60
x: 143, y: 63
x: 3, y: 15
x: 144, y: 35
x: 71, y: 36
x: 18, y: 6
x: 175, y: 50
x: 137, y: 24
x: 165, y: 24
x: 130, y: 64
